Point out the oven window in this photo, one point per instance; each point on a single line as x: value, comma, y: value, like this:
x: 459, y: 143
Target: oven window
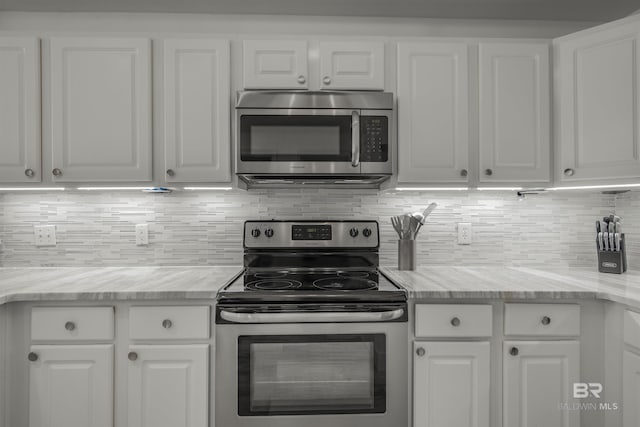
x: 295, y: 138
x: 311, y: 374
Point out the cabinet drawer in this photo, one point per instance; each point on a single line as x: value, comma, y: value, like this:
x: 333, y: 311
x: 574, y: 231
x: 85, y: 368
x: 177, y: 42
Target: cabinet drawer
x: 542, y: 319
x: 632, y: 328
x: 72, y: 323
x: 453, y: 320
x: 152, y: 323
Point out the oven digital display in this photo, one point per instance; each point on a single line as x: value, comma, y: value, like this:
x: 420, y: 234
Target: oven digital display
x: 310, y: 232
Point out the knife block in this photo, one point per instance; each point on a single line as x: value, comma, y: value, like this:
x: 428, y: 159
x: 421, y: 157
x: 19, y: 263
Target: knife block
x: 613, y: 262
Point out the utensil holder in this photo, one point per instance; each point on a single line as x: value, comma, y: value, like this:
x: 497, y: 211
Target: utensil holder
x: 611, y: 261
x: 406, y: 254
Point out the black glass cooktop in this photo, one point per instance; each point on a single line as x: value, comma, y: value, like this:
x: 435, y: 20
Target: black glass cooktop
x: 289, y: 285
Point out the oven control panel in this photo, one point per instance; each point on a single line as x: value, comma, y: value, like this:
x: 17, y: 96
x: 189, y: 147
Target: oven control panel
x: 310, y: 234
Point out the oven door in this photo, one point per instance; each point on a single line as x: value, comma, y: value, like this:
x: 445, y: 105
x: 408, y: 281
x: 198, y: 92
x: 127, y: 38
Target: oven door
x: 312, y: 374
x: 301, y: 141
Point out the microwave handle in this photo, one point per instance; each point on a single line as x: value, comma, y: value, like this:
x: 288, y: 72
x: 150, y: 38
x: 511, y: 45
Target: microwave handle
x: 355, y: 138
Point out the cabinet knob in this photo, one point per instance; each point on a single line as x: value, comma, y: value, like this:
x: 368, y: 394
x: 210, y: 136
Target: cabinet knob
x: 569, y: 172
x: 167, y: 324
x: 514, y: 351
x: 133, y: 356
x: 326, y: 80
x: 57, y: 172
x: 455, y: 322
x: 464, y: 172
x: 29, y: 172
x: 488, y: 172
x: 301, y: 79
x: 70, y: 326
x: 545, y: 320
x: 32, y: 357
x: 421, y: 351
x: 170, y: 172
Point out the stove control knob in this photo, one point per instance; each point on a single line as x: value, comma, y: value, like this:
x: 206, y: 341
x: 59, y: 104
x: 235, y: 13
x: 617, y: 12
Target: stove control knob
x: 255, y: 232
x: 268, y: 232
x: 366, y: 232
x: 353, y: 232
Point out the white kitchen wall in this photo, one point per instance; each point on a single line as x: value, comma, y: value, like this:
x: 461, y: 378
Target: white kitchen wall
x: 189, y: 228
x: 628, y: 207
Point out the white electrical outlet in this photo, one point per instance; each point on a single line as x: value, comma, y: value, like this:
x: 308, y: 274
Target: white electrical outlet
x: 142, y: 234
x: 464, y: 233
x: 45, y: 235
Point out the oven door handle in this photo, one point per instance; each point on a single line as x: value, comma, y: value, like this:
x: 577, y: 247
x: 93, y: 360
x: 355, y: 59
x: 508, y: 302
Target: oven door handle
x: 382, y: 316
x: 355, y: 138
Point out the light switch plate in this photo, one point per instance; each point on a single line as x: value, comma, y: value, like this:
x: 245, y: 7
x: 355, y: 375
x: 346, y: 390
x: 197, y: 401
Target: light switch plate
x: 45, y: 235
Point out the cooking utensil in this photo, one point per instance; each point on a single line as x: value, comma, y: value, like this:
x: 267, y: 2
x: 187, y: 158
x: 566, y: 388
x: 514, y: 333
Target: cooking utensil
x: 605, y: 237
x: 429, y: 209
x: 617, y: 241
x: 612, y: 241
x: 396, y: 221
x: 600, y: 241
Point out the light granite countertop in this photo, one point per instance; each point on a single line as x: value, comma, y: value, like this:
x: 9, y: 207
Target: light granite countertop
x: 199, y: 282
x: 113, y: 283
x: 512, y: 283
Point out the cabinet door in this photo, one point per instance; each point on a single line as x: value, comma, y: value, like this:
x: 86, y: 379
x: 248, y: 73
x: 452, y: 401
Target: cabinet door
x: 450, y: 376
x: 275, y: 64
x: 100, y: 109
x: 168, y: 385
x: 631, y: 389
x: 433, y: 102
x: 515, y: 136
x: 71, y: 386
x: 20, y: 110
x: 598, y: 92
x: 196, y: 110
x: 350, y: 65
x: 538, y: 379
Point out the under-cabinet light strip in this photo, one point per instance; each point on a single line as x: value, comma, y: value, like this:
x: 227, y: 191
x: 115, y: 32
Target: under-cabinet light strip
x: 594, y: 187
x: 432, y: 188
x: 111, y: 188
x: 32, y: 189
x: 499, y: 188
x: 208, y: 188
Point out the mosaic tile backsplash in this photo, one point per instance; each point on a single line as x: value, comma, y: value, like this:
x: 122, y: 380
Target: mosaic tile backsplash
x: 205, y: 228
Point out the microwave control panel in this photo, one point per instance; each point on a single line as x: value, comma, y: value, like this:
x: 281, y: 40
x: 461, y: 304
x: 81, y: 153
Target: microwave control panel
x: 374, y: 139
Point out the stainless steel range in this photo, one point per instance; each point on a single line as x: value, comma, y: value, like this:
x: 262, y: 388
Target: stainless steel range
x: 312, y: 334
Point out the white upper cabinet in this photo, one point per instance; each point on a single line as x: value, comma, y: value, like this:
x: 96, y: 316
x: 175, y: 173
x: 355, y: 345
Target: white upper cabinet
x: 515, y: 135
x: 598, y: 95
x: 275, y: 64
x: 100, y: 109
x: 20, y: 110
x: 433, y: 103
x: 196, y: 92
x: 352, y: 65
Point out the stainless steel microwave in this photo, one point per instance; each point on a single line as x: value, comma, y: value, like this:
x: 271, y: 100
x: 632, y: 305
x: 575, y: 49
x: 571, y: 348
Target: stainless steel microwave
x: 314, y: 138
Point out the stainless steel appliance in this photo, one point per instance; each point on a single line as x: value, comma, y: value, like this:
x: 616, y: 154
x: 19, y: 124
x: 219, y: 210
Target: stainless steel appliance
x: 314, y: 138
x: 312, y: 334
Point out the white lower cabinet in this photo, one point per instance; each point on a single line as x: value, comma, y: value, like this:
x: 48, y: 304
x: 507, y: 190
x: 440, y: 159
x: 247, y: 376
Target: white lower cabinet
x: 168, y: 385
x: 451, y: 386
x: 71, y: 385
x: 631, y: 389
x: 538, y: 378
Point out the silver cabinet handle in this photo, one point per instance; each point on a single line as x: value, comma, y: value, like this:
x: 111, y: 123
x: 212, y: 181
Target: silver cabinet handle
x: 464, y: 172
x: 569, y: 172
x: 32, y: 357
x: 514, y: 351
x: 70, y: 326
x: 133, y: 356
x: 29, y: 172
x: 57, y: 172
x: 301, y: 79
x: 170, y: 172
x: 355, y: 138
x: 382, y: 316
x: 421, y: 351
x: 167, y: 324
x: 455, y: 322
x: 545, y: 320
x: 488, y: 172
x: 326, y: 80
